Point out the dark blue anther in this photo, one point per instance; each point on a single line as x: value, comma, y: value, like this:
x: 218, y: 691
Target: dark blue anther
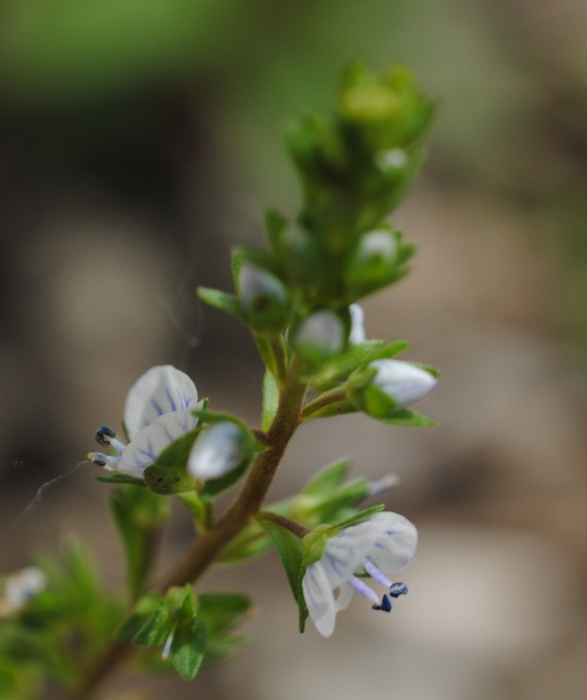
x: 103, y: 433
x: 397, y: 589
x: 385, y: 604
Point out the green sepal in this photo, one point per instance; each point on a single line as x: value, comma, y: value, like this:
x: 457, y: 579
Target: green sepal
x: 270, y: 400
x: 289, y: 549
x: 434, y: 371
x: 188, y: 647
x: 138, y: 514
x: 222, y: 301
x: 360, y: 516
x: 176, y: 454
x: 166, y: 481
x: 120, y: 478
x: 337, y: 370
x: 409, y: 419
x: 168, y: 474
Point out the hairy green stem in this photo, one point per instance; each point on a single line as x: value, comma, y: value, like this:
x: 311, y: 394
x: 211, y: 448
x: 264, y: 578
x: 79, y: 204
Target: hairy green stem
x: 326, y: 399
x: 206, y: 547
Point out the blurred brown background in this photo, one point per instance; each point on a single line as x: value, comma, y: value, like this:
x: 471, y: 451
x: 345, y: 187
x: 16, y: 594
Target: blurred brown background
x: 139, y: 141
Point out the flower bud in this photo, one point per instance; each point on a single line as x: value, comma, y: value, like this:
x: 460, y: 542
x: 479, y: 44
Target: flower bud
x: 217, y: 451
x: 394, y: 386
x: 263, y: 297
x: 319, y: 336
x: 374, y: 262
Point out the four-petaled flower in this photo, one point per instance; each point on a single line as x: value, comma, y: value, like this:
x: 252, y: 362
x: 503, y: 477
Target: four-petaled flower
x: 383, y: 544
x: 159, y: 409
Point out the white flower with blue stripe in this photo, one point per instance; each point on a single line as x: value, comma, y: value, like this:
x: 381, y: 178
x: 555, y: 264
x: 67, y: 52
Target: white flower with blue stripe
x: 159, y: 409
x: 381, y: 545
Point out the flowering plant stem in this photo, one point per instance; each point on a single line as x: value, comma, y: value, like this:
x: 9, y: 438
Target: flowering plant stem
x: 207, y: 546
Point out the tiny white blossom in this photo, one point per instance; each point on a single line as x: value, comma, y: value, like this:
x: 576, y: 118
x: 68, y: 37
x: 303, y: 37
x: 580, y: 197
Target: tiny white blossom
x: 322, y: 331
x: 218, y: 450
x: 404, y: 383
x: 381, y: 545
x: 19, y: 588
x: 158, y: 410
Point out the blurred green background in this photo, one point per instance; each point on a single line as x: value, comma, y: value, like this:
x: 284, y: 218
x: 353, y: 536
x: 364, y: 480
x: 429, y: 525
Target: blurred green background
x: 140, y: 140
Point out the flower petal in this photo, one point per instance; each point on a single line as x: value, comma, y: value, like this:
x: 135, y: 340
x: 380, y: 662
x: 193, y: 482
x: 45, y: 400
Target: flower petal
x: 344, y: 597
x: 394, y: 541
x: 319, y: 599
x: 344, y: 553
x: 144, y: 449
x: 161, y: 390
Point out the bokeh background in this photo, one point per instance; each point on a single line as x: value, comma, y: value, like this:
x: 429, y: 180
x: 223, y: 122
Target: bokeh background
x: 140, y: 140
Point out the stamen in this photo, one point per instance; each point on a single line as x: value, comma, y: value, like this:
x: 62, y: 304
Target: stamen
x: 102, y: 460
x: 397, y: 589
x: 103, y: 435
x: 385, y: 604
x: 362, y: 588
x: 375, y: 574
x: 106, y: 437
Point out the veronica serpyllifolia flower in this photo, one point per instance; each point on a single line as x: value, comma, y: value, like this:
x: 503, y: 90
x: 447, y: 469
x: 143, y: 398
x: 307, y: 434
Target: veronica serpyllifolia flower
x: 159, y: 409
x: 218, y: 450
x: 381, y: 545
x: 19, y: 588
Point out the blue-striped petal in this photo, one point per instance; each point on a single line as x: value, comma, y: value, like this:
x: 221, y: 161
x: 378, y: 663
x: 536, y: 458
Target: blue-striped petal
x: 162, y: 389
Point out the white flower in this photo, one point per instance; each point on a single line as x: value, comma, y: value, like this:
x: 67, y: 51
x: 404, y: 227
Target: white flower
x: 381, y: 545
x: 404, y: 383
x: 218, y: 450
x: 19, y: 588
x: 159, y: 409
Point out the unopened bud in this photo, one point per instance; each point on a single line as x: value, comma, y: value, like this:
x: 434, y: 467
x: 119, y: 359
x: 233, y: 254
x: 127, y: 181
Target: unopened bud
x: 217, y: 451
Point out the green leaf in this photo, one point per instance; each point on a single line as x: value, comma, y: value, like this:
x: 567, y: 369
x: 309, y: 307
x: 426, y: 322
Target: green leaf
x: 409, y: 419
x: 119, y: 478
x: 221, y: 612
x: 188, y: 647
x: 133, y: 622
x: 289, y: 549
x: 157, y: 628
x: 223, y: 301
x: 270, y: 400
x: 327, y: 479
x: 251, y: 542
x: 136, y: 538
